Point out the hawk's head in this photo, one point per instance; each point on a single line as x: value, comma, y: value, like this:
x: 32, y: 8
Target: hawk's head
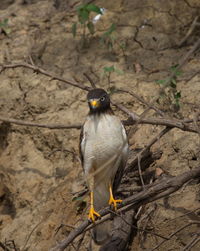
x: 98, y: 100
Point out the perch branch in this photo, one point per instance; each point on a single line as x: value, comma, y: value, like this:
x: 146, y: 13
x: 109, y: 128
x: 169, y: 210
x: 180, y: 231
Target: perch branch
x: 181, y: 124
x: 168, y: 185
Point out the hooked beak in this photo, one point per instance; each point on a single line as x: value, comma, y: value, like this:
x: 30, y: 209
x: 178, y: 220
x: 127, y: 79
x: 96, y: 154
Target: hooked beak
x: 94, y: 103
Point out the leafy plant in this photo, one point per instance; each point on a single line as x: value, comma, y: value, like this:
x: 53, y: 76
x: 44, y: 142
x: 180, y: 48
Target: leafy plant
x: 108, y: 70
x: 83, y: 12
x: 108, y: 38
x: 172, y: 82
x: 4, y: 27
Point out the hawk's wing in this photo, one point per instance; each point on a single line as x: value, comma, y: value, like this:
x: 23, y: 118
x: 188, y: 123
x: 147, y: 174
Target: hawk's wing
x: 80, y: 148
x: 122, y: 165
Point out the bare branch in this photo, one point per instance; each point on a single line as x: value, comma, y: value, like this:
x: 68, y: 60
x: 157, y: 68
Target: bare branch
x: 142, y: 100
x: 46, y: 73
x: 174, y: 233
x: 90, y: 80
x: 145, y: 150
x: 180, y: 124
x: 191, y: 244
x: 168, y: 185
x: 191, y: 29
x: 49, y: 126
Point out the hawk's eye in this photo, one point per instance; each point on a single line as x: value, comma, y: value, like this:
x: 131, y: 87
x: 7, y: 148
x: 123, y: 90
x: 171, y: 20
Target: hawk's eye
x: 102, y: 99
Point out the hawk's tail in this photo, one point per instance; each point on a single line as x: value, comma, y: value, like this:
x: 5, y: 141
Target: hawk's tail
x: 101, y: 232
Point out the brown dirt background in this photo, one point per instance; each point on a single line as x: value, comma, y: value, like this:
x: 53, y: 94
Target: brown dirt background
x: 39, y: 168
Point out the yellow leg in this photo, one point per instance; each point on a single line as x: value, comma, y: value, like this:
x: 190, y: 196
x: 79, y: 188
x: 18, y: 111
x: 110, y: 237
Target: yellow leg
x: 92, y: 212
x: 112, y: 200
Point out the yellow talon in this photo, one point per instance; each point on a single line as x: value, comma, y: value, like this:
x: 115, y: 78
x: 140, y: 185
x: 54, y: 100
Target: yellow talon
x: 112, y: 201
x: 92, y: 214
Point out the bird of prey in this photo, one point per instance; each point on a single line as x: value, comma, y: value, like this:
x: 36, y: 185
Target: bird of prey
x: 104, y: 152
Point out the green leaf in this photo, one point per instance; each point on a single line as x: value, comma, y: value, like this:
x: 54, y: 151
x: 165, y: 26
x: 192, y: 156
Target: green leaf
x: 5, y: 21
x: 94, y: 8
x: 82, y: 6
x: 109, y: 69
x: 74, y: 28
x: 112, y: 90
x: 174, y: 67
x: 173, y: 83
x: 110, y: 30
x: 77, y: 199
x: 178, y: 73
x: 161, y: 82
x: 177, y: 95
x: 7, y: 30
x: 90, y: 26
x: 120, y: 72
x: 122, y: 45
x: 83, y: 15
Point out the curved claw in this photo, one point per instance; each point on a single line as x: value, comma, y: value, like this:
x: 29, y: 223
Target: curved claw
x: 114, y: 202
x: 93, y: 214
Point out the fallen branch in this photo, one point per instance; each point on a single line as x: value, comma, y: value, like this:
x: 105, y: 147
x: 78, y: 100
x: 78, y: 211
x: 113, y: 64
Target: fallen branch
x: 155, y: 191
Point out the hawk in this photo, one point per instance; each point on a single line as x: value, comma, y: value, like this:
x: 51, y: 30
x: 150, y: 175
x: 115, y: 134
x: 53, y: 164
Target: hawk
x: 104, y: 152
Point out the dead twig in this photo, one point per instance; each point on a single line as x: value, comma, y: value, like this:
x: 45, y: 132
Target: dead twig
x: 192, y: 243
x: 155, y: 191
x: 135, y: 119
x: 42, y: 71
x: 181, y: 63
x: 138, y: 228
x: 146, y: 149
x: 11, y: 244
x: 90, y: 80
x: 141, y: 100
x: 140, y: 169
x: 49, y: 126
x: 174, y: 233
x: 191, y: 29
x: 4, y: 247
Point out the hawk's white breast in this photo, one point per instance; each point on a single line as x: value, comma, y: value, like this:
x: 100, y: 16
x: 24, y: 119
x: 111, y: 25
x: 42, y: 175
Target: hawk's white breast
x: 104, y: 137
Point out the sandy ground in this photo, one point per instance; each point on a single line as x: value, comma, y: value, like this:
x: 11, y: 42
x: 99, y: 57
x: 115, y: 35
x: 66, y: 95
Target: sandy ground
x: 39, y: 168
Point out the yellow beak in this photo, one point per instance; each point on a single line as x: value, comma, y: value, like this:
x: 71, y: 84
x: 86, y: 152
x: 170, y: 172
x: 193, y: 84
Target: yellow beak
x: 94, y: 103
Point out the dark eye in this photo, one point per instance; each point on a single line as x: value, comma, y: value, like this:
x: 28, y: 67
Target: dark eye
x: 102, y: 99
